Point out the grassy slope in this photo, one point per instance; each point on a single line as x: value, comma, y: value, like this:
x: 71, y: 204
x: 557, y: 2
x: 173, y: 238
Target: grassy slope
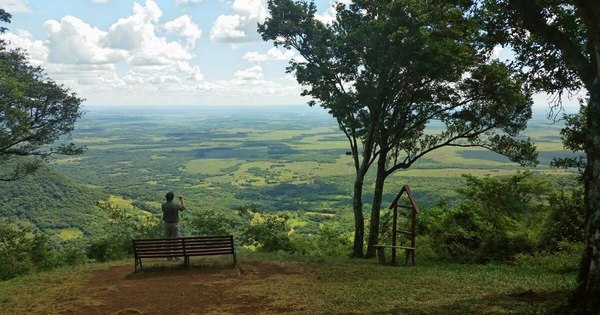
x: 340, y: 285
x: 51, y: 202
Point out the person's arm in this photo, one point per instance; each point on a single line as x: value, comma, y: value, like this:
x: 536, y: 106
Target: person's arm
x: 182, y: 203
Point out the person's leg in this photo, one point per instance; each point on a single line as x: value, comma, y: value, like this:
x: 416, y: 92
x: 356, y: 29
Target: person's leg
x: 167, y: 230
x: 168, y: 233
x: 175, y: 233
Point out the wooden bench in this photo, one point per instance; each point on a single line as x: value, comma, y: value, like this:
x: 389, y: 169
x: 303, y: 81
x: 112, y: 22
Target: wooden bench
x: 410, y: 254
x: 183, y: 247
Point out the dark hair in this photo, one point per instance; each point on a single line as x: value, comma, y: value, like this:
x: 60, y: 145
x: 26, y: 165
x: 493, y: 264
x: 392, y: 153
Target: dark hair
x: 170, y: 195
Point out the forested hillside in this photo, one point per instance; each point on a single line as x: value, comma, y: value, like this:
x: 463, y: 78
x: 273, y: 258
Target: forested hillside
x: 51, y: 202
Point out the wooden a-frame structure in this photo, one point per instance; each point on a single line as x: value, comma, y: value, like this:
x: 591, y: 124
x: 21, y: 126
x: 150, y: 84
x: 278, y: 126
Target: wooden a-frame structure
x: 410, y: 249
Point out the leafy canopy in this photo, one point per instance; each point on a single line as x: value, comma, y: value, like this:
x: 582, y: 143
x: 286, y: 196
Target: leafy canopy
x: 34, y: 113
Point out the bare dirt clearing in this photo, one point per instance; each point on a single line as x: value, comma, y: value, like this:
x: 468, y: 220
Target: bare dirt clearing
x: 176, y: 290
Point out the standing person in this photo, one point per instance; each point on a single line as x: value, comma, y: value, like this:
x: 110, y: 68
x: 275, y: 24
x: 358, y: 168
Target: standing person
x: 171, y: 215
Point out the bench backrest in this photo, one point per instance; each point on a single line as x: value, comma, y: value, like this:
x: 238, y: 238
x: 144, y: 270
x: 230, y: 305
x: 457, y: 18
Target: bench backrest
x: 183, y: 246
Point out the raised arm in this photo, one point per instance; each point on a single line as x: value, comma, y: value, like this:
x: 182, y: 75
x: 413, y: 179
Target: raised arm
x: 182, y: 203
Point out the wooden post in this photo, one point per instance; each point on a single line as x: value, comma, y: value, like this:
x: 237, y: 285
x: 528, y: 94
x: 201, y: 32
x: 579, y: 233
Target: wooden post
x: 413, y: 236
x: 381, y: 255
x: 394, y: 234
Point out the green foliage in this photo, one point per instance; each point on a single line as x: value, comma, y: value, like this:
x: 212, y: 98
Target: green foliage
x: 23, y: 251
x: 34, y: 113
x: 573, y: 136
x: 264, y: 232
x: 494, y: 221
x: 386, y: 69
x: 566, y: 219
x: 329, y: 240
x: 5, y: 18
x: 562, y: 261
x: 122, y: 226
x: 50, y: 201
x: 15, y: 252
x: 211, y: 222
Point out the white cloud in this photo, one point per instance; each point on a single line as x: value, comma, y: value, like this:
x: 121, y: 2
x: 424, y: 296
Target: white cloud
x: 130, y: 32
x: 73, y: 41
x: 227, y: 28
x: 180, y: 2
x: 496, y: 51
x: 328, y: 16
x: 252, y: 73
x: 240, y: 27
x: 15, y: 6
x: 143, y: 59
x: 272, y: 54
x: 131, y: 57
x: 255, y: 10
x: 183, y: 26
x: 37, y: 51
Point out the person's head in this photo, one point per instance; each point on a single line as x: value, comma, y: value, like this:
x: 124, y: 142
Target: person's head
x: 170, y: 195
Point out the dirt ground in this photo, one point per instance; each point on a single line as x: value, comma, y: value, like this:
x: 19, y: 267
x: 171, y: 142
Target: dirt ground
x: 170, y: 289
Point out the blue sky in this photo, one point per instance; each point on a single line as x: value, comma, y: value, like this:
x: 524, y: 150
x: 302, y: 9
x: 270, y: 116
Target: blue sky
x: 156, y: 52
x: 162, y: 52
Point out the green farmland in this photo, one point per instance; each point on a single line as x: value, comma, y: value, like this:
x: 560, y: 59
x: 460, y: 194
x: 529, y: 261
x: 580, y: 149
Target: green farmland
x: 276, y: 159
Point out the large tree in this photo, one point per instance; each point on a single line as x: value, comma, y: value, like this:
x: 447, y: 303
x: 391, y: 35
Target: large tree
x: 385, y: 70
x: 557, y: 46
x: 34, y: 113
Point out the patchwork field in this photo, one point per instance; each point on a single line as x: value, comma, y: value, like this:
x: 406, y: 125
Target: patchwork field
x: 274, y: 158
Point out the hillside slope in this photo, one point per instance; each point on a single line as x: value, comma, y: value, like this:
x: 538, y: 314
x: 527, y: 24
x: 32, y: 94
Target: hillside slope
x: 51, y: 202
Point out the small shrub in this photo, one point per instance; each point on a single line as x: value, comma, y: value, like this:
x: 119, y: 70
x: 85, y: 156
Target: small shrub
x: 209, y: 222
x: 566, y: 220
x: 265, y: 232
x: 564, y: 260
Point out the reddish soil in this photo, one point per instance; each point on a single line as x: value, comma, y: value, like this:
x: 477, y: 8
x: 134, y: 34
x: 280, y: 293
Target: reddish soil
x: 175, y: 290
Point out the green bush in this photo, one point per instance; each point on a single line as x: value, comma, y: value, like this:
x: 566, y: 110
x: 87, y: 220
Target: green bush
x: 330, y: 240
x: 23, y: 251
x: 15, y: 252
x: 566, y: 220
x: 498, y: 218
x: 264, y: 232
x: 564, y: 260
x: 210, y: 222
x: 123, y: 225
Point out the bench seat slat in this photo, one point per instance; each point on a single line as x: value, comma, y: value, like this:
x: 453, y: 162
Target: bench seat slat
x: 183, y: 247
x: 390, y: 246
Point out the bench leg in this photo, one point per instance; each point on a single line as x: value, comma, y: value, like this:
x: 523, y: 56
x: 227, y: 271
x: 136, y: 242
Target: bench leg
x: 138, y: 262
x: 381, y: 255
x: 410, y: 257
x: 186, y: 261
x: 234, y: 260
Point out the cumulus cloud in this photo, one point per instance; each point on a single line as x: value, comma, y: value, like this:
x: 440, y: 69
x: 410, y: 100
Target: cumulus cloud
x: 183, y: 26
x: 36, y: 50
x: 15, y: 6
x: 135, y: 55
x: 131, y: 32
x: 180, y: 2
x: 73, y: 41
x: 252, y: 73
x: 496, y: 51
x: 328, y: 16
x: 241, y: 26
x: 272, y: 54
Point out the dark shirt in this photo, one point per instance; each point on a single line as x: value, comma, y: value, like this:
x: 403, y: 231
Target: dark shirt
x: 171, y: 212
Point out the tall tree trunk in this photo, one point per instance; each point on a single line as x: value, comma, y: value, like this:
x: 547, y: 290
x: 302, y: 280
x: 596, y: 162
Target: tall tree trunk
x: 376, y: 206
x: 586, y: 296
x: 593, y: 196
x: 359, y: 220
